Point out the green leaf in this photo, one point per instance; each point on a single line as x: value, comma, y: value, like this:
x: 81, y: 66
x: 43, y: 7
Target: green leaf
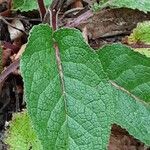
x: 28, y: 5
x: 21, y: 135
x: 70, y: 97
x: 143, y: 51
x: 128, y: 69
x: 17, y: 4
x: 141, y: 33
x: 143, y: 5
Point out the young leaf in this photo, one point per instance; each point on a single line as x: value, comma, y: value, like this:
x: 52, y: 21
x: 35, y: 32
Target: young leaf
x: 28, y: 5
x: 141, y: 33
x: 21, y: 135
x: 70, y: 97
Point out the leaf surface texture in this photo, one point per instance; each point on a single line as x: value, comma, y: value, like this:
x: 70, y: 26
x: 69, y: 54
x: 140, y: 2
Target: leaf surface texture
x: 28, y: 5
x: 74, y: 108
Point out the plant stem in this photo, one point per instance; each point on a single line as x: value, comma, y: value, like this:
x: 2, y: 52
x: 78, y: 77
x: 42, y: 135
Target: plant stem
x: 54, y: 17
x: 42, y: 8
x: 54, y: 10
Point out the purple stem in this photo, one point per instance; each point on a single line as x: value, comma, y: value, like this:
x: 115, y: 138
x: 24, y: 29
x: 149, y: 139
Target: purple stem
x: 42, y: 8
x: 54, y: 19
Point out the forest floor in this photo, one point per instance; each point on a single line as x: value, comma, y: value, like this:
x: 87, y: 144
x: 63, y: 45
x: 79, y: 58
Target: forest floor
x: 98, y: 28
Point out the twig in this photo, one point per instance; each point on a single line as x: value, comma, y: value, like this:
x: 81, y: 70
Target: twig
x: 77, y: 21
x: 142, y: 45
x: 5, y: 21
x: 22, y: 18
x: 17, y: 109
x: 11, y: 68
x: 73, y: 10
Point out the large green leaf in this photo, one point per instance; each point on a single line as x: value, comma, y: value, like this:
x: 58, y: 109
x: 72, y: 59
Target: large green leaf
x: 27, y: 5
x: 71, y: 98
x: 128, y: 69
x: 142, y: 5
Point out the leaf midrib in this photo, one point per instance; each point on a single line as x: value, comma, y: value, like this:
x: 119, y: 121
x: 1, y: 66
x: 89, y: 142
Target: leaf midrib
x: 61, y: 75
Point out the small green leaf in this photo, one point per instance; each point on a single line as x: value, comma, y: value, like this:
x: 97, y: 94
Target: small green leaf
x: 28, y: 5
x: 21, y: 135
x: 141, y: 33
x: 71, y: 98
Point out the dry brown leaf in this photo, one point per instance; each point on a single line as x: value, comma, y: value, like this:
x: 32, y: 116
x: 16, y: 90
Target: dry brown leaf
x: 14, y: 33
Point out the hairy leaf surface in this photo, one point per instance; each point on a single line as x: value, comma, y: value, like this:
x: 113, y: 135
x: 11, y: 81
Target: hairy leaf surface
x: 143, y: 5
x: 128, y: 69
x: 71, y: 98
x: 28, y: 5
